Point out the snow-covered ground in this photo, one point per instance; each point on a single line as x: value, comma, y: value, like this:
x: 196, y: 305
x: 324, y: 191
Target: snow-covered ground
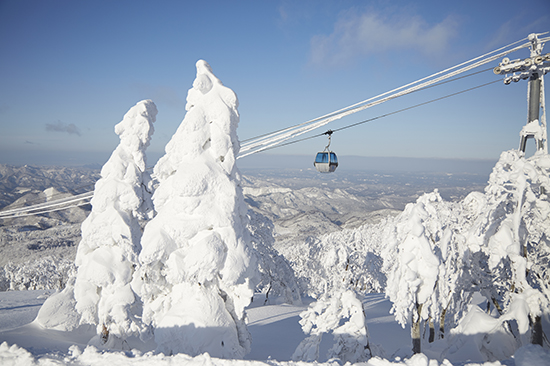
x: 274, y: 328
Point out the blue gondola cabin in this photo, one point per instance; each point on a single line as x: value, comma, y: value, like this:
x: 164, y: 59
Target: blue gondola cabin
x: 326, y: 162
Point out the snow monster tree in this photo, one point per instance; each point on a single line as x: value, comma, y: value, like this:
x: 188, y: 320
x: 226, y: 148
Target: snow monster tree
x: 411, y: 267
x: 197, y: 267
x: 108, y: 252
x: 514, y: 232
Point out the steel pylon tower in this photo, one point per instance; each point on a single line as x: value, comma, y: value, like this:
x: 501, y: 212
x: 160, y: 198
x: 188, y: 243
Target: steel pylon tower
x: 533, y: 69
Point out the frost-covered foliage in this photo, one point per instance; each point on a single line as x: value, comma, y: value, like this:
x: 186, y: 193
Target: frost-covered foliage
x: 341, y: 314
x: 197, y: 270
x: 346, y: 259
x: 44, y: 273
x: 277, y: 279
x: 482, y: 336
x: 411, y: 265
x: 513, y: 232
x: 438, y: 254
x: 108, y: 252
x: 336, y: 269
x: 426, y: 260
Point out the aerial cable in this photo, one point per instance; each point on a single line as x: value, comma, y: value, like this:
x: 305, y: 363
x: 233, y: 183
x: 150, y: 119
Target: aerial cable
x: 415, y: 106
x: 275, y: 139
x: 46, y: 205
x: 14, y: 216
x: 433, y: 75
x: 281, y: 140
x: 396, y: 89
x: 283, y: 135
x: 58, y: 202
x: 427, y: 87
x: 381, y: 116
x: 51, y: 199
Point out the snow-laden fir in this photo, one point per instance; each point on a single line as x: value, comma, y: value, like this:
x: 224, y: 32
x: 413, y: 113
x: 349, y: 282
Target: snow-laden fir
x: 197, y: 269
x: 108, y: 252
x: 467, y: 279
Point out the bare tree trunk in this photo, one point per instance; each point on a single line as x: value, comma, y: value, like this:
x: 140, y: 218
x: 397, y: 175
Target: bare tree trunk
x: 415, y: 331
x: 497, y: 306
x: 432, y: 330
x: 104, y: 334
x: 267, y: 293
x: 442, y: 321
x: 536, y: 335
x: 367, y: 347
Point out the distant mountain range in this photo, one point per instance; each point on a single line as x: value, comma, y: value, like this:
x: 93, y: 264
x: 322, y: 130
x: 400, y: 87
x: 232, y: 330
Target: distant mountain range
x: 300, y: 202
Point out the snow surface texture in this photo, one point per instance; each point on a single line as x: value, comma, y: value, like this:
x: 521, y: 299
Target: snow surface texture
x: 274, y: 328
x: 197, y: 266
x: 108, y: 252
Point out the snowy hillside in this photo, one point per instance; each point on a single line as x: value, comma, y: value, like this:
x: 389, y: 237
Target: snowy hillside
x: 17, y: 181
x: 300, y: 204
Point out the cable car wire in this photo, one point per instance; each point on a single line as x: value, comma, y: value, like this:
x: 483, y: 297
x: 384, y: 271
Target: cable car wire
x: 401, y: 87
x: 416, y: 105
x: 424, y: 88
x: 45, y: 205
x: 382, y: 116
x: 29, y: 213
x: 277, y: 138
x: 52, y: 198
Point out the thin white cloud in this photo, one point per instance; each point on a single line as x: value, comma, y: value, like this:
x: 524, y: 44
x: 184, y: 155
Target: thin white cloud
x: 59, y: 126
x: 363, y: 34
x: 517, y: 27
x: 283, y: 14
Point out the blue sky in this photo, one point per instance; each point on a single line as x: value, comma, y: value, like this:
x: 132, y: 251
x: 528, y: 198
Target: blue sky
x: 69, y: 71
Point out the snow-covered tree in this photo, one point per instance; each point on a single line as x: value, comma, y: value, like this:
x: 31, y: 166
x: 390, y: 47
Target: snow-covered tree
x: 341, y: 314
x: 445, y: 225
x: 277, y: 279
x: 513, y: 232
x: 411, y: 267
x: 42, y: 273
x: 197, y: 269
x: 108, y: 252
x: 345, y: 259
x: 337, y: 269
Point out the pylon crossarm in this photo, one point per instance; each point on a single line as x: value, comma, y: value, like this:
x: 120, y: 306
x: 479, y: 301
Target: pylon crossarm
x: 536, y: 65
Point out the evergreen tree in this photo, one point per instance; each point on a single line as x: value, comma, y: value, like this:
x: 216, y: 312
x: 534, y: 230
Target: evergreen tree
x: 513, y: 233
x: 197, y: 268
x: 108, y: 252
